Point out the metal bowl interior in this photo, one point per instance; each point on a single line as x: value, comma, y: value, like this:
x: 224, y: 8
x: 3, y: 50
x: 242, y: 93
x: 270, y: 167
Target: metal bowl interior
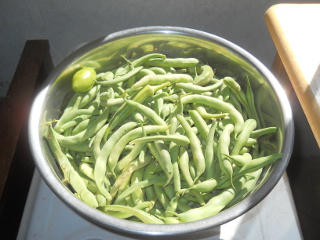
x: 105, y: 54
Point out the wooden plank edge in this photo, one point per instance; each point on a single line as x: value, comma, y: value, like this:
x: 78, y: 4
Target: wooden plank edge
x: 299, y: 83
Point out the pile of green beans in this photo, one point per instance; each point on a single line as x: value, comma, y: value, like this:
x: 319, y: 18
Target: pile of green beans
x: 162, y: 140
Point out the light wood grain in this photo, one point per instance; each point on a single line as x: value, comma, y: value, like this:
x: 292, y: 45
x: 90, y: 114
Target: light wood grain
x: 295, y: 30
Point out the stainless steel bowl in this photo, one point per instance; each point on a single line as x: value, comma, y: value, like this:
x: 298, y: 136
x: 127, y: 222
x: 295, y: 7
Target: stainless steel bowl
x: 105, y: 53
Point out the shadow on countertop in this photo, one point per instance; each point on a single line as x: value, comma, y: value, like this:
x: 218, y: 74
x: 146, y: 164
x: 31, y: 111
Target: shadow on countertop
x: 304, y: 175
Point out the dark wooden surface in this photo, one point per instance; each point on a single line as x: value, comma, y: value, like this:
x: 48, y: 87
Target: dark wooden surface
x: 16, y: 163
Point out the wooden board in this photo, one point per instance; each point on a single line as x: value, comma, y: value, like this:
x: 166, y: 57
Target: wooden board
x: 16, y: 163
x: 294, y: 29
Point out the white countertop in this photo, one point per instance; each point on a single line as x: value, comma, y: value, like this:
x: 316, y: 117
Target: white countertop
x: 46, y: 217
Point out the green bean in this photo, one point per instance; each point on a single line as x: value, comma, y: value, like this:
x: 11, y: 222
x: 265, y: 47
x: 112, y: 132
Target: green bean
x: 244, y: 150
x: 83, y: 147
x: 195, y: 146
x: 206, y: 186
x: 182, y: 205
x: 223, y: 150
x: 83, y: 119
x: 131, y: 81
x: 159, y: 180
x: 240, y: 95
x: 173, y: 123
x: 178, y: 139
x: 161, y: 196
x: 154, y: 151
x: 73, y: 104
x: 174, y: 155
x: 172, y: 62
x: 167, y: 109
x: 145, y: 72
x: 118, y: 90
x: 171, y: 207
x: 263, y: 131
x: 72, y: 118
x: 260, y: 101
x: 142, y: 215
x: 84, y: 135
x: 158, y: 105
x: 146, y: 111
x: 209, y: 152
x: 112, y: 102
x: 251, y: 142
x: 86, y: 169
x: 251, y: 102
x: 157, y: 210
x: 204, y: 114
x: 235, y: 102
x: 122, y: 163
x: 249, y: 167
x: 198, y: 196
x: 159, y: 95
x: 200, y: 123
x: 248, y: 126
x: 138, y: 117
x: 169, y: 191
x: 267, y: 148
x: 89, y: 96
x: 192, y: 169
x: 148, y: 174
x: 120, y: 78
x: 135, y: 133
x: 97, y: 141
x: 138, y: 194
x: 205, y: 76
x: 170, y: 70
x: 102, y: 201
x: 158, y: 70
x: 80, y: 123
x: 240, y: 160
x: 72, y: 111
x: 140, y: 61
x: 123, y: 215
x: 107, y: 76
x: 125, y: 110
x: 225, y: 93
x: 101, y: 161
x: 258, y: 163
x: 122, y: 70
x: 71, y: 176
x: 214, y: 206
x: 183, y: 162
x: 190, y: 87
x: 159, y: 79
x: 127, y: 172
x: 251, y: 181
x: 217, y: 104
x: 164, y: 160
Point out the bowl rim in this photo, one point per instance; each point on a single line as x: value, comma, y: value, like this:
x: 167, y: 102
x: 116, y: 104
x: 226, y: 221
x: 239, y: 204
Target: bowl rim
x: 138, y: 229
